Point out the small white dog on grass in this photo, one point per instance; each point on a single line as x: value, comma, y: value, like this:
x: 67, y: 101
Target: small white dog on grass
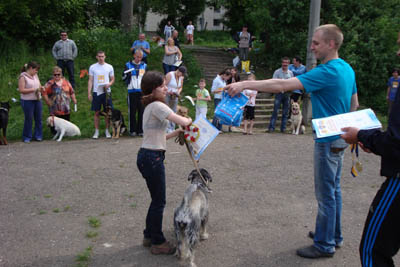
x: 191, y: 217
x: 63, y: 127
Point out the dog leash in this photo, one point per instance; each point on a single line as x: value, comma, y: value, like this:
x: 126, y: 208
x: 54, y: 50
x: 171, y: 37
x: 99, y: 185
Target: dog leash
x: 182, y: 140
x: 356, y: 167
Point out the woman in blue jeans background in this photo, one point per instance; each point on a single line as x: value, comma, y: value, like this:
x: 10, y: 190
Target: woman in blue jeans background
x: 30, y: 88
x: 150, y: 160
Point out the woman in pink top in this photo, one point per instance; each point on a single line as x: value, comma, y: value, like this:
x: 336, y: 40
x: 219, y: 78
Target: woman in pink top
x: 30, y: 89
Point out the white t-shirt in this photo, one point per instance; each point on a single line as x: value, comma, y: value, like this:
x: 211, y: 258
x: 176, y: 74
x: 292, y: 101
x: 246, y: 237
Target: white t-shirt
x: 218, y: 83
x: 101, y: 76
x: 189, y: 29
x: 173, y: 84
x: 155, y: 125
x: 251, y: 94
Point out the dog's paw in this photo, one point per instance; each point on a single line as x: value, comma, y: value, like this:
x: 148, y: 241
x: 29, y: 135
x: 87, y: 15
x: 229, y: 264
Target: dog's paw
x: 204, y: 236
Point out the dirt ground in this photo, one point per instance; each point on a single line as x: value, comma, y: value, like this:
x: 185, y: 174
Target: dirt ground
x: 261, y: 209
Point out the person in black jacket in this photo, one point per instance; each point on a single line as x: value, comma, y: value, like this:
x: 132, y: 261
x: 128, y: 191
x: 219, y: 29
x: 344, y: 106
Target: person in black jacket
x: 381, y: 236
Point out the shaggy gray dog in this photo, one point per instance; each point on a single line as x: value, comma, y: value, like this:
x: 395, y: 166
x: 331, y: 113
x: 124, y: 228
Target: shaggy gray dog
x: 190, y: 218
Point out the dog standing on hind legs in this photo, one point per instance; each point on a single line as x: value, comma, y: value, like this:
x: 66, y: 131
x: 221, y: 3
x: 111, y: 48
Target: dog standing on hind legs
x: 191, y: 217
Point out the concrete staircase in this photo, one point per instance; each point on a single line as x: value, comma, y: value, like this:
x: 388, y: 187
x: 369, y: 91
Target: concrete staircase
x: 214, y: 60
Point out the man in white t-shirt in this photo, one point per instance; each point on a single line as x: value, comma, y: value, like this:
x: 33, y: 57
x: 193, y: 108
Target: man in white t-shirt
x: 101, y: 77
x: 189, y: 33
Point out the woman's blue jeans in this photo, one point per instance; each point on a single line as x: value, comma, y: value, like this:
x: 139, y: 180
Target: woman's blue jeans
x: 327, y: 171
x: 32, y: 111
x: 151, y: 165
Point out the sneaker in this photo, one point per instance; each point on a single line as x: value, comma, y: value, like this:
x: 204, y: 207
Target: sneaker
x: 311, y: 235
x: 146, y: 242
x: 96, y: 135
x: 27, y: 141
x: 140, y: 134
x: 270, y: 130
x: 133, y: 134
x: 164, y: 248
x: 312, y: 252
x: 108, y: 135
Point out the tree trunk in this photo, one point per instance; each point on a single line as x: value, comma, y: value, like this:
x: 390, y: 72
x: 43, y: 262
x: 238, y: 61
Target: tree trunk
x: 315, y: 7
x: 127, y: 15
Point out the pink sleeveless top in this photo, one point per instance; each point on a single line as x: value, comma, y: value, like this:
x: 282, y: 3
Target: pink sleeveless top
x: 30, y: 82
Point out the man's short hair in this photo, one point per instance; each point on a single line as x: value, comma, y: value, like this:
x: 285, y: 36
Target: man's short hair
x: 138, y: 51
x: 331, y: 32
x: 100, y: 52
x: 285, y: 58
x: 298, y: 59
x: 396, y: 70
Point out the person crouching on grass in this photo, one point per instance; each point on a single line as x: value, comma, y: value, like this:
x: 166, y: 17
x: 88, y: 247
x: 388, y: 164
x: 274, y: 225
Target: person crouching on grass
x: 249, y: 108
x: 150, y: 159
x: 202, y: 97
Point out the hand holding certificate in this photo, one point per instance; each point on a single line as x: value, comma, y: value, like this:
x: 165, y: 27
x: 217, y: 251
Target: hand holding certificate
x: 330, y: 126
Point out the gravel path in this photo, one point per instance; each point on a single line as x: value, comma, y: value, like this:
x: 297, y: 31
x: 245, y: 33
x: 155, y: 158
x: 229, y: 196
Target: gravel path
x: 261, y: 209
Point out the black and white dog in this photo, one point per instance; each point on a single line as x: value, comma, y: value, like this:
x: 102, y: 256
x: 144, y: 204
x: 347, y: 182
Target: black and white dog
x: 191, y: 217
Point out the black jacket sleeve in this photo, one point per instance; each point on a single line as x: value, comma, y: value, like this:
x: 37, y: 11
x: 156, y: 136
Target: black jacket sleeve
x: 385, y: 144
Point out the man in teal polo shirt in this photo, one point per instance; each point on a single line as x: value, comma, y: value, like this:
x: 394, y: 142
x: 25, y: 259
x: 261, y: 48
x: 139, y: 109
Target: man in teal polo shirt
x: 333, y: 90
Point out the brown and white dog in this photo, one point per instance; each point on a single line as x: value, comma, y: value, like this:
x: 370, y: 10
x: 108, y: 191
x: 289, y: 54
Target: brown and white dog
x: 296, y: 119
x: 191, y: 217
x: 63, y: 127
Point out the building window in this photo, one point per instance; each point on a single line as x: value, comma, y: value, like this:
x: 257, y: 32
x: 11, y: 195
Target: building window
x: 217, y: 22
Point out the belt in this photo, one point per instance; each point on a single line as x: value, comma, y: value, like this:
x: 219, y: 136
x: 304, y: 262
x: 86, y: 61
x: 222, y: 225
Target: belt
x: 337, y: 149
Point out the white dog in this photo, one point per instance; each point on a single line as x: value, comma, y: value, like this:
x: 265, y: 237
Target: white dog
x: 191, y: 217
x: 63, y: 127
x: 296, y: 119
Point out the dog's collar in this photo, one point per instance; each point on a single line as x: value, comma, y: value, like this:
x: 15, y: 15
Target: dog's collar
x: 4, y: 109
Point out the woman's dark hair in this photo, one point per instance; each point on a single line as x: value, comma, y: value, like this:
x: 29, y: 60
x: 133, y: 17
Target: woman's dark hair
x: 226, y: 71
x: 32, y: 64
x: 150, y: 81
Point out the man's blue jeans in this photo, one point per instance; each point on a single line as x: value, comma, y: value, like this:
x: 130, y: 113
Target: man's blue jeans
x: 281, y: 98
x: 69, y: 65
x: 215, y: 121
x: 327, y: 171
x: 151, y: 165
x: 32, y: 111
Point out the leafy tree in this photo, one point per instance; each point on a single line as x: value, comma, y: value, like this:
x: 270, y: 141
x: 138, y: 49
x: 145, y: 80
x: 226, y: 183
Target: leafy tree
x: 370, y: 31
x: 39, y: 22
x: 178, y: 11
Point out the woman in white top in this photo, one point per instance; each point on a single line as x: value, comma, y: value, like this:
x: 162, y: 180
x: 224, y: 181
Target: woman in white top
x: 172, y: 54
x: 174, y: 83
x: 168, y: 29
x: 150, y: 159
x: 217, y: 87
x: 30, y: 88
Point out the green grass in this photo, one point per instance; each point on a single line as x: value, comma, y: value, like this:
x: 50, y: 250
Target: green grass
x: 94, y: 222
x: 83, y: 258
x: 91, y: 234
x: 220, y: 39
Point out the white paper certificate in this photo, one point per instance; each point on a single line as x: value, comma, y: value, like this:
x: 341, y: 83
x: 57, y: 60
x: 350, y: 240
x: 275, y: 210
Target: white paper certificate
x: 363, y: 119
x: 207, y: 134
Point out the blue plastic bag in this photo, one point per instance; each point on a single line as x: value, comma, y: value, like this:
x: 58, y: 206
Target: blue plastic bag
x: 230, y: 109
